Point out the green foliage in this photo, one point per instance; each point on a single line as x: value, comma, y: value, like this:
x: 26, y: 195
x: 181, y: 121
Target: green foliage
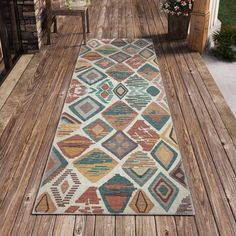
x: 225, y: 43
x: 227, y: 13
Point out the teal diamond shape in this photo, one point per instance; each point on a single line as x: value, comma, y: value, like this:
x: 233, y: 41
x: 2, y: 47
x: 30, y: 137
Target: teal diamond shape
x: 97, y: 130
x: 164, y: 191
x: 162, y: 149
x: 91, y: 76
x: 86, y: 108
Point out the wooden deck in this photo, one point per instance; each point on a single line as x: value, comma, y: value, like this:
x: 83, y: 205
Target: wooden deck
x: 30, y: 107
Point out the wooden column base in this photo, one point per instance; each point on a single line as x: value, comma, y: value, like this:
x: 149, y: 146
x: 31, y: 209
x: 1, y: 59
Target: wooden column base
x: 198, y: 31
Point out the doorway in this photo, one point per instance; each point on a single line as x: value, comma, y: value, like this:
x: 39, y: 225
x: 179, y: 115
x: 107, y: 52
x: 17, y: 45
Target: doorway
x: 10, y: 39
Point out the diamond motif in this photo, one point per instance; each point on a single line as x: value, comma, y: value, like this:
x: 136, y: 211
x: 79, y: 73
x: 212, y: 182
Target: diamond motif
x: 119, y: 144
x: 104, y: 63
x: 164, y: 154
x: 131, y: 49
x: 141, y: 203
x: 135, y: 62
x: 156, y: 116
x: 94, y: 43
x: 178, y: 174
x: 92, y: 56
x: 144, y: 135
x: 137, y: 96
x: 106, y: 50
x: 146, y: 53
x: 120, y: 90
x: 94, y: 165
x: 97, y: 130
x: 141, y: 43
x: 91, y: 76
x: 86, y: 108
x: 118, y: 42
x: 119, y: 115
x: 119, y: 57
x: 74, y: 146
x: 140, y: 167
x: 104, y: 91
x: 64, y: 199
x: 164, y: 191
x: 84, y: 49
x: 119, y: 72
x: 153, y: 91
x: 149, y: 72
x: 82, y: 65
x: 68, y: 124
x: 56, y: 164
x: 116, y: 193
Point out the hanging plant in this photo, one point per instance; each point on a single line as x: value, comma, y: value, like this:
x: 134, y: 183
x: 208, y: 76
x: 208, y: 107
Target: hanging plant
x: 177, y: 7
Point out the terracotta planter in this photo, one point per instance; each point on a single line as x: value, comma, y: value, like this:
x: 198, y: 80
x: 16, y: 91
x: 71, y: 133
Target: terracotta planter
x: 178, y: 26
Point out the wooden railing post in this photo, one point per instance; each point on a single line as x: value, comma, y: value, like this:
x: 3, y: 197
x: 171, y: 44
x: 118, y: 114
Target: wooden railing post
x: 199, y: 25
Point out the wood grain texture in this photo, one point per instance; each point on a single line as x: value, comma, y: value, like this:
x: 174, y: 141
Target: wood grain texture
x: 205, y: 130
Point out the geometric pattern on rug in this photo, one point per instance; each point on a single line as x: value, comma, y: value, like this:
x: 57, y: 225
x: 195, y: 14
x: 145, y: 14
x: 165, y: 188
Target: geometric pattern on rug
x: 164, y: 191
x: 141, y: 203
x: 105, y: 63
x: 116, y: 193
x: 137, y: 96
x: 68, y: 124
x: 119, y: 72
x: 119, y: 57
x: 95, y: 165
x: 92, y: 76
x: 164, y: 154
x: 73, y: 146
x: 115, y: 150
x: 135, y: 62
x: 118, y: 43
x: 140, y: 167
x: 107, y: 50
x: 155, y: 115
x: 56, y: 164
x: 146, y: 53
x: 178, y: 174
x: 86, y: 108
x: 104, y: 91
x: 144, y: 135
x: 148, y: 71
x: 120, y: 90
x: 119, y: 115
x: 97, y: 130
x: 120, y: 144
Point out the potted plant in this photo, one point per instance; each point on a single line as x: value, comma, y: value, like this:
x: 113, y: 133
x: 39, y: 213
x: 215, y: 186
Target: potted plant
x: 178, y: 17
x: 225, y: 43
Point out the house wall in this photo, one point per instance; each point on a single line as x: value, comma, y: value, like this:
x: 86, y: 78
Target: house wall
x: 31, y: 17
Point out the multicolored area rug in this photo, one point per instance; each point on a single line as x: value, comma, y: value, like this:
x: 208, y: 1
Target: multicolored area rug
x: 115, y: 149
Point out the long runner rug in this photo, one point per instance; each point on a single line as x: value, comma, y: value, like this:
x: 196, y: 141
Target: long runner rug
x: 115, y: 149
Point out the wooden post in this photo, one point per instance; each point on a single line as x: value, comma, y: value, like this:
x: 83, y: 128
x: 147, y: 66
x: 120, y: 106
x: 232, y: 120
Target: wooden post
x: 199, y: 25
